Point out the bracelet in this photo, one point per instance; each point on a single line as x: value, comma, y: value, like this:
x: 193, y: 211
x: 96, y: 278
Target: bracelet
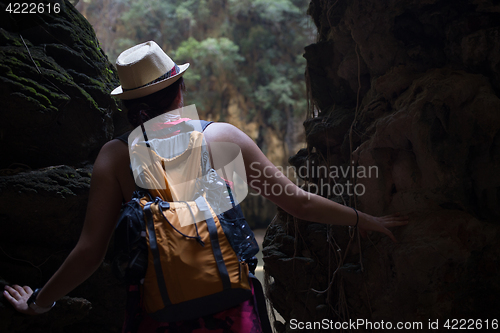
x: 357, y: 217
x: 34, y: 306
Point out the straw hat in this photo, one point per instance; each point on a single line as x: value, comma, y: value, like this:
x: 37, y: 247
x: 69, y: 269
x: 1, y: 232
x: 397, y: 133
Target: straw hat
x: 144, y: 69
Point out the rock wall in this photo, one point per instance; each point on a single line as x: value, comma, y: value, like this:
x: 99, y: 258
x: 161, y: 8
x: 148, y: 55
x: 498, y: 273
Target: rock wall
x: 411, y: 90
x: 54, y: 86
x: 56, y: 114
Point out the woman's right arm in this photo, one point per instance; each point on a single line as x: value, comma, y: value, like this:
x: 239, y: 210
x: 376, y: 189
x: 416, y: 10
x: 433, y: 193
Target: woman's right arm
x: 263, y: 177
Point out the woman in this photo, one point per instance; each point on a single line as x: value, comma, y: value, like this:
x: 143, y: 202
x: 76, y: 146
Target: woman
x: 152, y: 84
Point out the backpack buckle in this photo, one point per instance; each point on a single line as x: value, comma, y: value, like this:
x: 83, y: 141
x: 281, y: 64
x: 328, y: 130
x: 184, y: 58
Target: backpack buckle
x: 252, y: 264
x: 164, y: 205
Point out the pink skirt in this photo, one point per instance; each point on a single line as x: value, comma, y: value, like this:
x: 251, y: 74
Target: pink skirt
x: 242, y: 318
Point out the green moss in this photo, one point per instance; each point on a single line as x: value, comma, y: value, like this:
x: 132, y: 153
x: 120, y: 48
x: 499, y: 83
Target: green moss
x: 29, y: 100
x: 98, y: 83
x: 14, y: 64
x: 10, y: 39
x: 31, y: 88
x: 90, y: 99
x: 65, y: 191
x: 58, y: 77
x: 4, y: 68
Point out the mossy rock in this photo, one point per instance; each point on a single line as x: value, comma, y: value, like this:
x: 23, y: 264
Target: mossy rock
x: 55, y: 82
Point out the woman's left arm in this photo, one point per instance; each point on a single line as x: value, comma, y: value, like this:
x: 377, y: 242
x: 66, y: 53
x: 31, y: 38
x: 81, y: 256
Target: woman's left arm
x: 104, y: 204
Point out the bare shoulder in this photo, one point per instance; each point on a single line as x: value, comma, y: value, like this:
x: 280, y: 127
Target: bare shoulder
x: 227, y: 133
x: 112, y: 158
x: 224, y: 132
x: 115, y: 145
x: 112, y: 168
x: 220, y: 131
x: 113, y: 151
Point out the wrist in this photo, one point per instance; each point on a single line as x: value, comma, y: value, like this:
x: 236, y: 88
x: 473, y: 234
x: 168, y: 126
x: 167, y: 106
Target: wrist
x: 356, y: 221
x: 37, y: 306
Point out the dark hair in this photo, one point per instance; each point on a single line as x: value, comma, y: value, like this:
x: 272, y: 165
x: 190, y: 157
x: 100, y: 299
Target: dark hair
x: 144, y: 108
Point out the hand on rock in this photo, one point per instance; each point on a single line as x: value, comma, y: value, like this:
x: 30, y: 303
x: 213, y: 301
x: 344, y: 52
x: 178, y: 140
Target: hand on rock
x: 18, y: 296
x: 380, y: 224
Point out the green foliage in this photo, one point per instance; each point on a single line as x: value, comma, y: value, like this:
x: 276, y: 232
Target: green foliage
x: 216, y: 62
x: 272, y: 35
x: 275, y: 10
x: 212, y: 55
x: 253, y: 46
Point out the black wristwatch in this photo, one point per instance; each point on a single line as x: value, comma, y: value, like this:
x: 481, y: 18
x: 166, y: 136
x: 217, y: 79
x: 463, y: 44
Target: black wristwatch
x: 36, y: 308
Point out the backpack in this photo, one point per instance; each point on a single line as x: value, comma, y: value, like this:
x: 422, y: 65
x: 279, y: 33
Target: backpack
x: 190, y: 261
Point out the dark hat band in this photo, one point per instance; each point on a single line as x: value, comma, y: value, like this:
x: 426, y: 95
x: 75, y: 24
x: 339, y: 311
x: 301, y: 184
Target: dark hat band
x: 175, y: 70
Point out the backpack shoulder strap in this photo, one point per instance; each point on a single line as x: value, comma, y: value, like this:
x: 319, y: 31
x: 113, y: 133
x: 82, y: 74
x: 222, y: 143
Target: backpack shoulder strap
x: 204, y: 124
x: 124, y: 137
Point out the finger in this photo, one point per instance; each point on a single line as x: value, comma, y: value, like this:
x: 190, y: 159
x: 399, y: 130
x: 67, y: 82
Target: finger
x: 20, y: 290
x: 390, y: 224
x: 9, y: 297
x: 13, y: 292
x: 391, y: 215
x: 397, y: 219
x: 389, y: 233
x: 401, y: 218
x: 394, y: 218
x: 28, y: 290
